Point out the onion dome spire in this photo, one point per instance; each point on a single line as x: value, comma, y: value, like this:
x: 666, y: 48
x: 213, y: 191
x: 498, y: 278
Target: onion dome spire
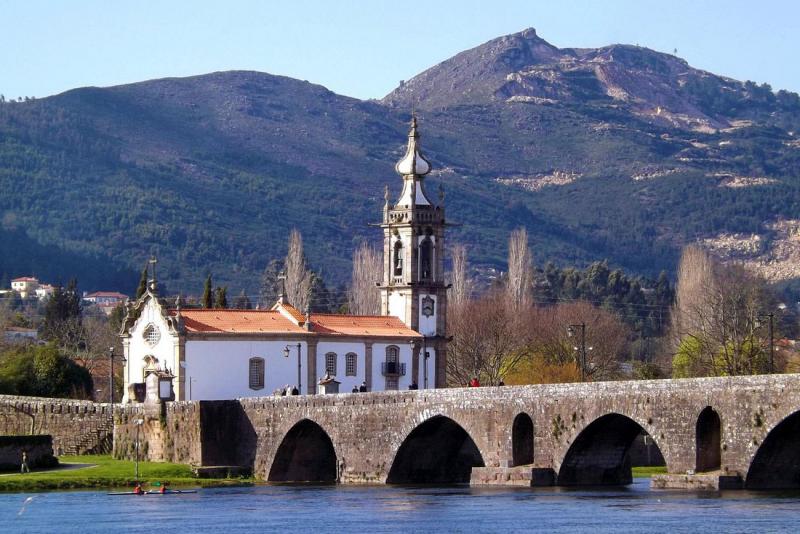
x: 413, y: 163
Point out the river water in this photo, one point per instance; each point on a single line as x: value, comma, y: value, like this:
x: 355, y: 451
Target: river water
x: 301, y: 509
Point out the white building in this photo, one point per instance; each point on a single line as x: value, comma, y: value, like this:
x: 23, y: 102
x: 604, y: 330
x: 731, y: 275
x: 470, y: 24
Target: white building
x: 226, y: 354
x: 25, y: 286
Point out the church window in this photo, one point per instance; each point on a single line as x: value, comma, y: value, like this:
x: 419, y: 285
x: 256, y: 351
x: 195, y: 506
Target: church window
x: 330, y: 363
x: 151, y: 335
x: 256, y: 373
x: 426, y: 259
x: 350, y: 368
x: 398, y: 258
x: 392, y: 366
x: 392, y: 354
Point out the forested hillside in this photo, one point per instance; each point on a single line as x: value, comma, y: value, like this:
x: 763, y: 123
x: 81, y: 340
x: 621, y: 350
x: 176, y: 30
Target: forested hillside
x: 617, y: 153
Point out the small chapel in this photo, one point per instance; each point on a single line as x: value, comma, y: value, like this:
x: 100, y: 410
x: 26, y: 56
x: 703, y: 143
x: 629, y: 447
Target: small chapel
x: 218, y: 354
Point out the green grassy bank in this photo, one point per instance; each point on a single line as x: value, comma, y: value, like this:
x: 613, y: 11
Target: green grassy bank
x: 103, y: 471
x: 646, y: 472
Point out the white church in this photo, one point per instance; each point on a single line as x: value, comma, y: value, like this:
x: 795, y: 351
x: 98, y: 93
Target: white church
x: 214, y: 354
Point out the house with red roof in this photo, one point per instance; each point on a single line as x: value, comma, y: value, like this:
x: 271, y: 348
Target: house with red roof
x: 216, y: 354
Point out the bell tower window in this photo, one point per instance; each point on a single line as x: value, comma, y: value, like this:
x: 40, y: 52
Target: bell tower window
x: 398, y: 258
x: 426, y: 259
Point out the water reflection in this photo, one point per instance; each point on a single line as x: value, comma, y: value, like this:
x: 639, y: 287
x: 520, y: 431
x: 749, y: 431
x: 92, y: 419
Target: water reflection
x: 408, y: 508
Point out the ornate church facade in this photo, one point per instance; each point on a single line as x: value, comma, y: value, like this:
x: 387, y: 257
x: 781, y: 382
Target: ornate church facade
x: 213, y: 354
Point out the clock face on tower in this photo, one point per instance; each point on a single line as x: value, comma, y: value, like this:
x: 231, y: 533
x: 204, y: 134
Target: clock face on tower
x: 427, y: 306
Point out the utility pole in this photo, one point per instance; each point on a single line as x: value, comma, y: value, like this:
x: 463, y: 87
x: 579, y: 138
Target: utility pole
x: 111, y: 379
x: 571, y: 332
x: 770, y: 326
x: 286, y: 351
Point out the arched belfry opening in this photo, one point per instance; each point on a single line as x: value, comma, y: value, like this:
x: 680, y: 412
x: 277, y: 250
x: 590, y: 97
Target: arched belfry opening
x: 600, y: 455
x: 776, y: 464
x: 438, y: 451
x: 708, y: 440
x: 522, y: 439
x: 306, y: 454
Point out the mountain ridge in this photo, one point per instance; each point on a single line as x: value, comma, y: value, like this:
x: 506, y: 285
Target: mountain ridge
x: 211, y: 172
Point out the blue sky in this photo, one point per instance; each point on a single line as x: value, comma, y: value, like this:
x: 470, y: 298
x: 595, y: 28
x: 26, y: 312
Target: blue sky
x: 361, y: 48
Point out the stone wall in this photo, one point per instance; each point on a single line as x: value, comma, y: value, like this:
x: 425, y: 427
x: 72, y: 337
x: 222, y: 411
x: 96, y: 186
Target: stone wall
x: 77, y: 427
x: 38, y: 448
x: 582, y: 433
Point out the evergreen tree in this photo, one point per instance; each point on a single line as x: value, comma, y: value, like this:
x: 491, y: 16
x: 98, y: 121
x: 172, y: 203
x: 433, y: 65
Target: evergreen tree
x: 270, y: 284
x: 206, y: 300
x: 221, y: 297
x: 142, y: 288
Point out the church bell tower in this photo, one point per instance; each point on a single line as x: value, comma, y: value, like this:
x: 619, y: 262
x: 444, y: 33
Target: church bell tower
x: 413, y: 287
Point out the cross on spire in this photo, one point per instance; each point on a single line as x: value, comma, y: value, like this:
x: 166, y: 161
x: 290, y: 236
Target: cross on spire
x: 153, y: 281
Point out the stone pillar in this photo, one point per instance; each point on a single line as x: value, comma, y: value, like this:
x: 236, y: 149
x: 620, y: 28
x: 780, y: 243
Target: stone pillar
x: 311, y: 366
x: 368, y: 364
x: 440, y: 366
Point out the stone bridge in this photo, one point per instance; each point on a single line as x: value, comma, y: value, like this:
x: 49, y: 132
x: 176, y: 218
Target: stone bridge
x: 739, y: 431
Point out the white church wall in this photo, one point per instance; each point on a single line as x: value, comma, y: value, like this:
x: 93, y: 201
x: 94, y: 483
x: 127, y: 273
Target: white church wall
x: 397, y: 305
x: 220, y: 369
x: 379, y: 357
x: 341, y: 349
x: 139, y: 348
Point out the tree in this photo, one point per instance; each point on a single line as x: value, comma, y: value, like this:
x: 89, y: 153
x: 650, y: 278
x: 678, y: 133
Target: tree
x: 298, y: 278
x: 242, y: 302
x: 207, y: 291
x: 715, y: 328
x: 520, y: 270
x: 462, y: 284
x: 488, y: 340
x: 221, y: 297
x: 141, y: 289
x: 62, y: 321
x: 553, y: 355
x: 44, y: 371
x: 271, y: 283
x: 363, y: 297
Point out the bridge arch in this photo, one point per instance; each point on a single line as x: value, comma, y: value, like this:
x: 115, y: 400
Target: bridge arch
x: 708, y: 441
x: 776, y: 464
x: 599, y: 454
x: 305, y: 454
x: 437, y: 451
x: 522, y: 439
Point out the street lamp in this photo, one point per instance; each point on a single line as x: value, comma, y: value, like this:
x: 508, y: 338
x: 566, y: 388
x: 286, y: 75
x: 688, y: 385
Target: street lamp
x: 111, y: 377
x: 771, y: 317
x: 571, y: 332
x: 138, y: 423
x: 286, y: 351
x: 188, y: 379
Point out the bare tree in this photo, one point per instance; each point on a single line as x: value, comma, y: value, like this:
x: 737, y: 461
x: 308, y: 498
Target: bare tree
x: 298, y: 277
x: 462, y: 284
x: 553, y: 355
x: 488, y: 340
x: 695, y: 279
x: 363, y: 298
x: 715, y: 327
x: 520, y: 270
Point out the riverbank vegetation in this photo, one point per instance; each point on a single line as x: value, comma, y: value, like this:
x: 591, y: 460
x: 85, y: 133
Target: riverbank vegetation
x: 103, y: 471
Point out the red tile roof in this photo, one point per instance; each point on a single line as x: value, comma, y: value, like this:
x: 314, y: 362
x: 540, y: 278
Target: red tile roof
x: 237, y: 322
x: 273, y: 322
x: 25, y: 279
x: 360, y: 325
